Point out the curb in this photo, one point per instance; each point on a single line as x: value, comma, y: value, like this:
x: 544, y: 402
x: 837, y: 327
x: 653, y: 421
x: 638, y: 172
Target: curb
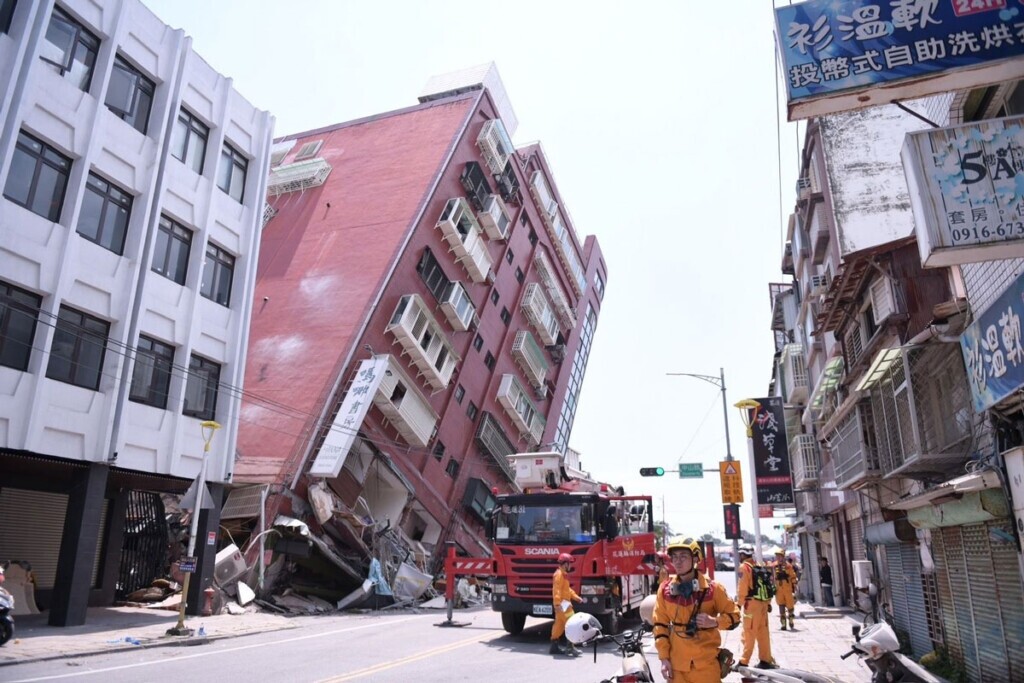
x: 163, y: 641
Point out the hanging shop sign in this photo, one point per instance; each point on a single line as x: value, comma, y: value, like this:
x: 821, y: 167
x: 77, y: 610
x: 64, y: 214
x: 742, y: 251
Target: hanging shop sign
x: 993, y: 353
x: 840, y: 55
x: 331, y: 457
x: 771, y: 454
x: 967, y: 191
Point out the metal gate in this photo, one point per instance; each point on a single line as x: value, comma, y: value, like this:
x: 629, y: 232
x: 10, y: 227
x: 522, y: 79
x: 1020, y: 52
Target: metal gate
x: 908, y: 602
x: 982, y: 601
x: 144, y: 552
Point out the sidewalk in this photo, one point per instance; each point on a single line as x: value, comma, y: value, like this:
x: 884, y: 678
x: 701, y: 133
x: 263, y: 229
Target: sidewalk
x: 822, y: 636
x: 109, y: 629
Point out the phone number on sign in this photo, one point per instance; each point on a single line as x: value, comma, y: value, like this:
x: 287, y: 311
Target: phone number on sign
x: 1009, y: 229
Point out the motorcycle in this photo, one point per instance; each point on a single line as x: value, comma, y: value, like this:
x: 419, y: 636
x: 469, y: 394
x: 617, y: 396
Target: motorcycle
x: 584, y: 628
x: 6, y: 620
x: 878, y: 647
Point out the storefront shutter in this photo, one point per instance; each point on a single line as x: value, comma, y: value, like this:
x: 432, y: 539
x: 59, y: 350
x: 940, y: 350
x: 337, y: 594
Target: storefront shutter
x: 917, y: 613
x: 857, y: 550
x: 1010, y: 596
x: 957, y: 617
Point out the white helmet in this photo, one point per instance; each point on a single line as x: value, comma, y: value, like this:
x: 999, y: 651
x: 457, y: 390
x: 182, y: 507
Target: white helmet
x: 647, y: 609
x: 582, y: 627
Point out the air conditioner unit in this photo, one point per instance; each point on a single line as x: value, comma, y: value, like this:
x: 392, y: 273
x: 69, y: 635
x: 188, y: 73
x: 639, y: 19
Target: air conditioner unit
x: 819, y: 285
x: 803, y: 187
x: 861, y: 573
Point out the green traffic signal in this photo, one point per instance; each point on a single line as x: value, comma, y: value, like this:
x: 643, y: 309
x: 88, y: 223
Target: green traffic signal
x: 652, y: 471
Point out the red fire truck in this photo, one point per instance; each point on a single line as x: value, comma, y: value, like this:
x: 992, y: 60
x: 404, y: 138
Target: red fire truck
x: 561, y: 510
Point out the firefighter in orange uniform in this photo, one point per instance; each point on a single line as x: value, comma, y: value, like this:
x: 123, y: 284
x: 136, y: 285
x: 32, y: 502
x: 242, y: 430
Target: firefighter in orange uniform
x: 562, y: 595
x: 689, y: 612
x: 663, y: 571
x: 755, y: 614
x: 785, y: 588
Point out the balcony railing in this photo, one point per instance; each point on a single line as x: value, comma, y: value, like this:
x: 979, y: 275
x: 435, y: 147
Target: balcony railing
x: 795, y: 382
x: 464, y: 236
x: 495, y: 145
x: 803, y: 453
x: 538, y: 311
x: 422, y: 338
x: 546, y: 203
x: 921, y: 402
x: 458, y: 307
x: 520, y: 408
x: 404, y: 406
x: 530, y: 357
x: 298, y: 176
x: 852, y: 446
x: 491, y: 439
x: 559, y: 301
x: 495, y: 218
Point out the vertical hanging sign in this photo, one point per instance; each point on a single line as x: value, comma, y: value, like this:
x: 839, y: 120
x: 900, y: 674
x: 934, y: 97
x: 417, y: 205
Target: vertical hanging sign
x: 771, y: 454
x: 332, y: 454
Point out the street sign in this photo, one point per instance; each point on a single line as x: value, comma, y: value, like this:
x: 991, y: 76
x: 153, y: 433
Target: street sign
x: 691, y: 470
x: 652, y: 471
x: 732, y: 482
x: 765, y: 511
x: 187, y: 565
x: 732, y: 521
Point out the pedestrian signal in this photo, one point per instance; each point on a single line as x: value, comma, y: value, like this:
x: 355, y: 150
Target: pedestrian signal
x: 652, y: 471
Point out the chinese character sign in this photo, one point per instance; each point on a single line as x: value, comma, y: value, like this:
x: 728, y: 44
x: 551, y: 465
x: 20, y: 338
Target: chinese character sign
x: 967, y: 190
x: 992, y: 349
x: 771, y: 454
x: 832, y: 46
x: 331, y: 456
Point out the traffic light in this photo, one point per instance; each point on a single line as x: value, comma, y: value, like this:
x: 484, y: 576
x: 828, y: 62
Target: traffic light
x: 652, y: 471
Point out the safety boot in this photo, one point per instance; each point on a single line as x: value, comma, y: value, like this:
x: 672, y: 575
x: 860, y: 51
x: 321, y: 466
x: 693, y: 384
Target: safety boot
x: 556, y: 648
x: 767, y: 665
x: 791, y: 626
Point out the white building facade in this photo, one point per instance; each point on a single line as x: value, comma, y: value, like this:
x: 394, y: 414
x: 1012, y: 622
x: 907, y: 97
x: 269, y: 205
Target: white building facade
x: 133, y: 178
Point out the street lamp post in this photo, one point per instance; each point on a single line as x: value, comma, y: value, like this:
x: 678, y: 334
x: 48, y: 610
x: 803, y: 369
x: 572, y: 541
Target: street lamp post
x: 720, y: 383
x: 748, y: 412
x: 208, y: 428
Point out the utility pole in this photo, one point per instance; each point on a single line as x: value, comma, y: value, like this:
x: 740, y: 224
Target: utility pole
x: 720, y: 383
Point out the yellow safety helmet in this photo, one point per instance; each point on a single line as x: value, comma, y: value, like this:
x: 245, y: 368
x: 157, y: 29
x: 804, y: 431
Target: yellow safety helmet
x: 687, y: 543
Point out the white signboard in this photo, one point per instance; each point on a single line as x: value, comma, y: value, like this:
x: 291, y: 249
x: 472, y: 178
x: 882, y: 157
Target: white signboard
x: 967, y: 191
x: 331, y: 457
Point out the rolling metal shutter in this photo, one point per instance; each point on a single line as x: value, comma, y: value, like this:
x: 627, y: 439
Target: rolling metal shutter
x: 1010, y: 597
x: 857, y: 551
x: 32, y: 529
x: 920, y: 641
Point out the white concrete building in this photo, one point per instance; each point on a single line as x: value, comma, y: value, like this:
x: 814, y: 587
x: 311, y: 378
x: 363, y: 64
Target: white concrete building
x: 133, y: 178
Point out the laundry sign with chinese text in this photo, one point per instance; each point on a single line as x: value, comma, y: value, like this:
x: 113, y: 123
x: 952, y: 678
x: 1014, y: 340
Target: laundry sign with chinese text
x: 967, y: 191
x: 771, y: 454
x: 331, y: 456
x: 992, y: 349
x: 840, y: 55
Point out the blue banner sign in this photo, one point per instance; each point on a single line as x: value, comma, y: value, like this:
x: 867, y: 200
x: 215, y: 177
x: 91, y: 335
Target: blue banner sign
x: 834, y: 46
x: 992, y: 349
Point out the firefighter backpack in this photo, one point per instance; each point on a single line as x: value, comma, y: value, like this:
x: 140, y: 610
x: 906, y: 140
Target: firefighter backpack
x: 764, y: 588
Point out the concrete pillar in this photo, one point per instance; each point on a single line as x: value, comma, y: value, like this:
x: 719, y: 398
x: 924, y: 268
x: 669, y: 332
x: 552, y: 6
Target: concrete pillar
x: 206, y: 551
x: 78, y: 546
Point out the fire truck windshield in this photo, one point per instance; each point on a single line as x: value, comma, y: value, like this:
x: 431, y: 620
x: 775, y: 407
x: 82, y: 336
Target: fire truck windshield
x: 536, y: 522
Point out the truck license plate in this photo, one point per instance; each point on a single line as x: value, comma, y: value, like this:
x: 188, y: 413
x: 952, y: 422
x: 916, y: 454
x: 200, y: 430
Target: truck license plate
x: 546, y: 610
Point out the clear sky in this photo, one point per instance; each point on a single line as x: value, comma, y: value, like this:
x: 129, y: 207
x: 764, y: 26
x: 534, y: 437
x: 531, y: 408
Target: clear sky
x: 659, y: 121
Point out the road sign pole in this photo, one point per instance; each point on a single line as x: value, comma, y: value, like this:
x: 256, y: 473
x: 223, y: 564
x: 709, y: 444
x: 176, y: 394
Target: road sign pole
x: 728, y: 456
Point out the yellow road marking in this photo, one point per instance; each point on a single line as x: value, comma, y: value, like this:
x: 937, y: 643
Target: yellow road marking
x: 377, y: 668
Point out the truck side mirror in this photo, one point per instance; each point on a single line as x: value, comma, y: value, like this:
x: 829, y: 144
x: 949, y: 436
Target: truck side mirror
x: 611, y: 525
x: 489, y: 524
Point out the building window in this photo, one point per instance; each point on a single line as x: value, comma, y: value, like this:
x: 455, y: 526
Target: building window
x: 599, y: 285
x: 520, y: 276
x: 438, y: 451
x: 533, y: 238
x: 460, y: 393
x: 188, y: 141
x: 494, y: 296
x: 452, y: 469
x: 130, y: 95
x: 201, y: 389
x: 79, y: 344
x: 38, y: 177
x: 6, y: 14
x: 173, y: 244
x: 70, y: 49
x: 220, y: 268
x: 432, y: 275
x: 478, y: 342
x: 105, y: 212
x: 231, y: 175
x: 506, y: 317
x: 19, y: 311
x: 471, y: 411
x: 509, y: 256
x: 489, y: 360
x: 151, y: 377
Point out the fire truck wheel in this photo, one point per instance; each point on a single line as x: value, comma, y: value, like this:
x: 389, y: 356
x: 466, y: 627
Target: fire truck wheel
x: 513, y: 622
x: 611, y: 623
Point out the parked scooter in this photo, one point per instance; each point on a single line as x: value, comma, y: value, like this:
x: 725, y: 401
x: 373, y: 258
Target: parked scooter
x: 583, y: 628
x: 878, y: 647
x: 6, y: 607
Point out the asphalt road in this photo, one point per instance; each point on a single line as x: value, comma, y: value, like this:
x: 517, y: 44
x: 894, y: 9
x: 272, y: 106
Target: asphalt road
x: 405, y: 646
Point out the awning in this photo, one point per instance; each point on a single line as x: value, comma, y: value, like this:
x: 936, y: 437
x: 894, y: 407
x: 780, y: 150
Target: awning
x: 951, y: 490
x: 830, y: 377
x: 879, y: 367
